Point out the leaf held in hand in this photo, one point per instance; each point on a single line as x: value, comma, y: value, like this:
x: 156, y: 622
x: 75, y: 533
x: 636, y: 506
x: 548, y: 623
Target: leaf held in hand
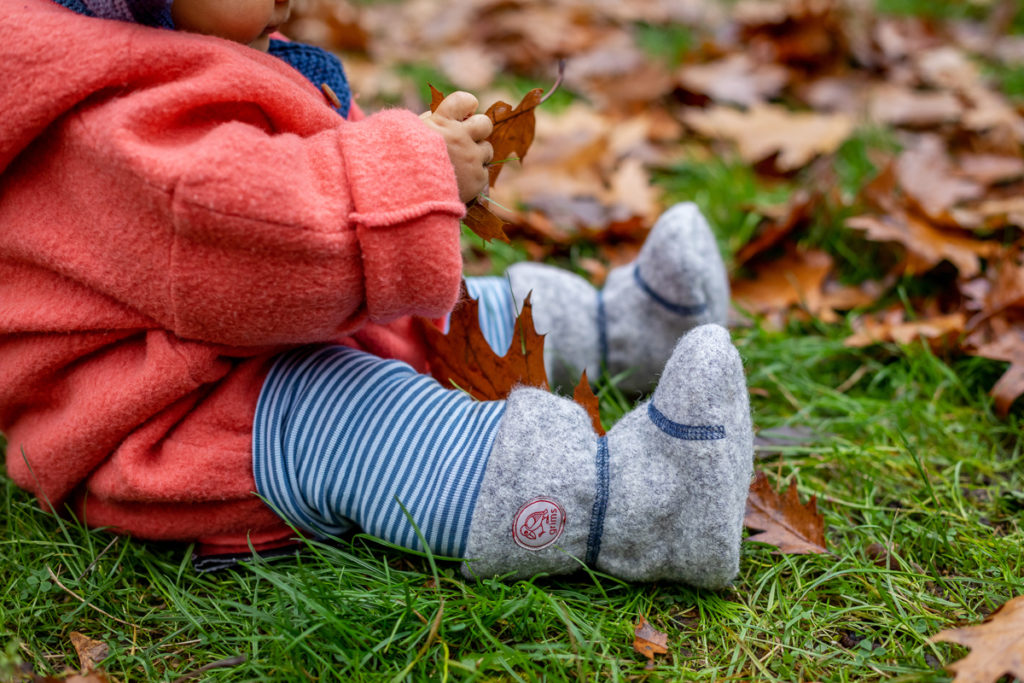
x: 997, y: 646
x: 513, y: 128
x: 436, y: 97
x: 782, y: 521
x: 511, y: 137
x: 462, y: 359
x: 484, y: 223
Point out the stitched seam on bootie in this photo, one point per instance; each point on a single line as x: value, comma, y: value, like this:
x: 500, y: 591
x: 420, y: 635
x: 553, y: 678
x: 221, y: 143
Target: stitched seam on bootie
x: 678, y: 309
x: 602, y: 329
x: 681, y: 431
x: 600, y: 503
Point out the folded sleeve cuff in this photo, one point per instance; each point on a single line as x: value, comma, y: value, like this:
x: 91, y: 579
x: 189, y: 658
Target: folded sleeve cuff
x: 406, y: 209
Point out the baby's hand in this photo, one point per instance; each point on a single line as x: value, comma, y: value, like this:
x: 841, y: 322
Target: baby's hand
x: 465, y: 134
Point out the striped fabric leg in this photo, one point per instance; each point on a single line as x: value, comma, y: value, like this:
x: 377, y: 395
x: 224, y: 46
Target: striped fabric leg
x: 497, y: 310
x: 340, y: 434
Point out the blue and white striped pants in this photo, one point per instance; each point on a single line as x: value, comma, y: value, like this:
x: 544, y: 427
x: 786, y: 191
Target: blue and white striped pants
x: 342, y: 436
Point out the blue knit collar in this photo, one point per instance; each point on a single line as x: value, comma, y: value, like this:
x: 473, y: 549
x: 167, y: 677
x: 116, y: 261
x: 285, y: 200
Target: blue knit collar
x: 161, y: 18
x: 318, y: 66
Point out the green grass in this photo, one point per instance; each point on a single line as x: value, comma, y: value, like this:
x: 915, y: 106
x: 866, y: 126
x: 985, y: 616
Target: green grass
x: 975, y: 10
x: 899, y: 446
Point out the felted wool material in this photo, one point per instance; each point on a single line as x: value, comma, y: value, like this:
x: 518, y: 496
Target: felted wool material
x: 661, y: 497
x: 677, y: 282
x: 178, y: 209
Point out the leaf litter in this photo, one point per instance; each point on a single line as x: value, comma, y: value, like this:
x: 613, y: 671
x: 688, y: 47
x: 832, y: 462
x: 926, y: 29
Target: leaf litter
x: 949, y: 198
x: 795, y: 528
x: 997, y: 645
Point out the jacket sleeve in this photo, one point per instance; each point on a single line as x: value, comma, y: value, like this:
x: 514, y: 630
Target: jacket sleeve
x: 357, y: 222
x: 249, y: 215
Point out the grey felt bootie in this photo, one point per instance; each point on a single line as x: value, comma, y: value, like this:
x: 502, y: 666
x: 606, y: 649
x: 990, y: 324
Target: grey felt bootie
x: 660, y: 497
x: 677, y: 282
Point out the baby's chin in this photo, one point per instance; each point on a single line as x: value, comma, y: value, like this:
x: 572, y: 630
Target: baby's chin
x: 262, y: 43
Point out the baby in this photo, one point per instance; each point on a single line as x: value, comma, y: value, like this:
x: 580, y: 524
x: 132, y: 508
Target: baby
x: 208, y: 274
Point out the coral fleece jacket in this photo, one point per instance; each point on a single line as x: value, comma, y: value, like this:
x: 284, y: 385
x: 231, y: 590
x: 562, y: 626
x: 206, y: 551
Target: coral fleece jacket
x: 174, y: 210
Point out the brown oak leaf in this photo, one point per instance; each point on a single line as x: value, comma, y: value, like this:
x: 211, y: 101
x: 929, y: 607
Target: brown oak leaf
x: 514, y: 129
x: 484, y: 223
x: 926, y: 245
x: 462, y: 358
x: 649, y: 641
x: 796, y: 279
x: 512, y: 136
x: 931, y: 181
x: 902, y: 106
x: 997, y: 645
x: 478, y: 217
x: 90, y: 652
x: 939, y: 330
x: 767, y: 130
x: 796, y: 213
x: 1007, y: 347
x: 795, y: 528
x: 584, y: 395
x: 436, y: 97
x: 736, y: 79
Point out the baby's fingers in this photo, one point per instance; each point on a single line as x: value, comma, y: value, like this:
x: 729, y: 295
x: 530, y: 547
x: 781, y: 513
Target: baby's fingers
x: 458, y: 106
x: 487, y: 151
x: 479, y: 127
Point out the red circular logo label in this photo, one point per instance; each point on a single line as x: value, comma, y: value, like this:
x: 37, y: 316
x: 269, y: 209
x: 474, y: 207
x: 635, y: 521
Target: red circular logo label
x: 538, y: 524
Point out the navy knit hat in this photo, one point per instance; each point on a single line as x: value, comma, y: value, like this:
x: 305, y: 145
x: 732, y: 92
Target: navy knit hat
x: 148, y: 12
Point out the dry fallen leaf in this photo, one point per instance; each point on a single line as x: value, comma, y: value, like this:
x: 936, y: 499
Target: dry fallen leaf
x: 736, y: 79
x: 989, y: 169
x: 795, y: 279
x: 513, y: 134
x: 996, y: 213
x: 513, y: 129
x: 901, y: 106
x: 90, y: 652
x: 649, y: 641
x: 795, y: 528
x: 795, y: 213
x: 484, y: 223
x: 765, y: 130
x: 926, y: 246
x: 809, y: 34
x: 591, y: 161
x: 997, y: 646
x: 1009, y: 348
x: 931, y: 181
x: 937, y: 330
x: 478, y: 217
x: 1002, y: 287
x: 462, y: 358
x: 584, y: 395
